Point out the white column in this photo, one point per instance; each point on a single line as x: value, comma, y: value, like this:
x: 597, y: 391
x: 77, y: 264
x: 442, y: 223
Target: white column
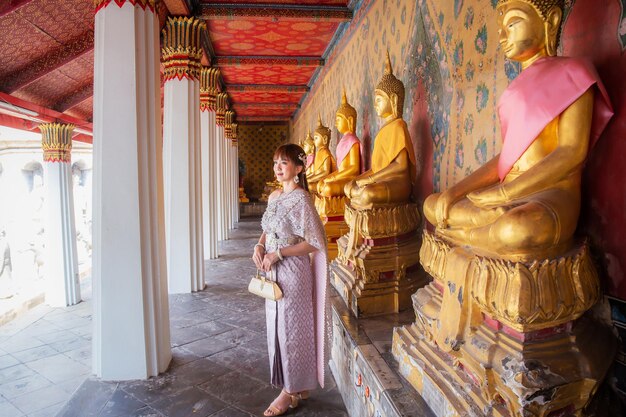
x: 61, y: 263
x: 222, y: 184
x: 234, y: 199
x: 182, y: 158
x: 213, y: 184
x: 237, y: 206
x: 131, y: 338
x: 207, y: 134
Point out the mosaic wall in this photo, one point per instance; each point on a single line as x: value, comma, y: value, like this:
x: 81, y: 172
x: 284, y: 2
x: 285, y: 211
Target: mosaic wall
x: 447, y: 54
x: 257, y: 143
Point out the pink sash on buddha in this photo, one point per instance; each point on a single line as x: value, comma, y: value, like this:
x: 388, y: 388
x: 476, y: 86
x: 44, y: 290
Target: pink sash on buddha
x: 344, y: 146
x: 309, y: 160
x: 539, y: 94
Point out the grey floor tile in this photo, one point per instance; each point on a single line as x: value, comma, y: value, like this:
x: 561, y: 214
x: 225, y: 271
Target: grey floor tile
x: 7, y: 361
x: 231, y: 412
x: 208, y: 346
x: 56, y: 336
x: 15, y: 372
x: 74, y: 343
x: 89, y: 399
x: 51, y: 411
x: 40, y: 399
x: 190, y: 402
x: 9, y: 410
x: 71, y: 385
x: 121, y: 404
x: 59, y: 368
x: 16, y: 387
x: 39, y: 352
x: 82, y: 355
x: 20, y: 342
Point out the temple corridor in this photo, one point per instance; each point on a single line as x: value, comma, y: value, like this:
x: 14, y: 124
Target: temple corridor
x: 219, y: 365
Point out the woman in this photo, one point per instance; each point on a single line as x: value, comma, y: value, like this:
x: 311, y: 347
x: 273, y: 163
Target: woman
x: 297, y: 324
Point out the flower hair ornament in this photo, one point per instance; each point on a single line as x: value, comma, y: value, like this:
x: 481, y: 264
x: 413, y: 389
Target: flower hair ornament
x: 302, y: 157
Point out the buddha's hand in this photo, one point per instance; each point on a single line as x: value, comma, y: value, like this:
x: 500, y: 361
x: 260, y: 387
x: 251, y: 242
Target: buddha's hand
x: 445, y: 200
x: 491, y: 197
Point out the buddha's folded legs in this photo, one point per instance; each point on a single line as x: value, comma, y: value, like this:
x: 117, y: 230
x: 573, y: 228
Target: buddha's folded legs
x: 542, y: 223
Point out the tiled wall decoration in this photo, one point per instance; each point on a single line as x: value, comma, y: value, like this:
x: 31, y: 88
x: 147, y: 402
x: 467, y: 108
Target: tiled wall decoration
x: 257, y: 143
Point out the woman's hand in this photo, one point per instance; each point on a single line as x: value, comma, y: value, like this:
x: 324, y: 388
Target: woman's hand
x: 257, y: 256
x: 268, y: 260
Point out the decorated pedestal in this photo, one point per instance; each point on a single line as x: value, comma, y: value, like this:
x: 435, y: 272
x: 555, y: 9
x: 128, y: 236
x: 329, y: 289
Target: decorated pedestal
x: 377, y: 267
x: 500, y: 338
x: 331, y: 210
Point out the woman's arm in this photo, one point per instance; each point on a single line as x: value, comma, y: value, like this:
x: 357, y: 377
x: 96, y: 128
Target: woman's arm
x: 299, y: 249
x: 259, y: 252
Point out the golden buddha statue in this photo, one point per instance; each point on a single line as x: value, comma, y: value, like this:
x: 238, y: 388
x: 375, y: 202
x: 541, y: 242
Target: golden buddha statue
x: 308, y: 145
x: 511, y: 284
x: 330, y: 199
x: 324, y: 162
x: 376, y: 269
x: 348, y: 153
x: 390, y: 180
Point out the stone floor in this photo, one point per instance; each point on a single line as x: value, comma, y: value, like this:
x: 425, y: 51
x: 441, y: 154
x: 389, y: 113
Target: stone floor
x: 219, y: 367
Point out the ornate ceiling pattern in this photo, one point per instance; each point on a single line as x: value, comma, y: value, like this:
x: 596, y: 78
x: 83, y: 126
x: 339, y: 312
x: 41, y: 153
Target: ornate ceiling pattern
x: 268, y: 51
x: 279, y: 43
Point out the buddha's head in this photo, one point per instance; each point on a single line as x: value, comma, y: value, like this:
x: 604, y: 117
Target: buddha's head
x: 345, y: 120
x: 389, y: 94
x: 307, y: 144
x: 321, y: 137
x: 529, y: 28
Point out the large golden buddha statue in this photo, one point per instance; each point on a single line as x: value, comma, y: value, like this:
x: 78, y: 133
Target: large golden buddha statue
x: 324, y: 161
x: 511, y: 283
x: 390, y: 180
x: 376, y: 267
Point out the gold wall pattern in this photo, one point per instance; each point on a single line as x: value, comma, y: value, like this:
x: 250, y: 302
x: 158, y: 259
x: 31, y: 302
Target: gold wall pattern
x: 257, y: 143
x: 448, y: 57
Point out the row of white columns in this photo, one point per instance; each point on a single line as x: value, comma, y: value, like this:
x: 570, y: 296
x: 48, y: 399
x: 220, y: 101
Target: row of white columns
x: 155, y: 215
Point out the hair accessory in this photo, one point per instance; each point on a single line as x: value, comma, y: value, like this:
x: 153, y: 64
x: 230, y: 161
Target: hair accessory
x: 302, y: 157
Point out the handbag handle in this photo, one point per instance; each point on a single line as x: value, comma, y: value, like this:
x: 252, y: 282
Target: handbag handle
x: 263, y: 277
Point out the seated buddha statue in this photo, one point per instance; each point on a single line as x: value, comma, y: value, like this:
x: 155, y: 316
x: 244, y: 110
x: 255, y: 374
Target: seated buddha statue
x: 348, y: 153
x: 309, y: 149
x: 389, y: 182
x: 526, y: 200
x: 324, y: 161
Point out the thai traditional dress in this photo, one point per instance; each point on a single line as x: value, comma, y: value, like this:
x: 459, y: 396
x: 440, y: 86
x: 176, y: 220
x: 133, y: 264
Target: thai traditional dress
x: 298, y: 324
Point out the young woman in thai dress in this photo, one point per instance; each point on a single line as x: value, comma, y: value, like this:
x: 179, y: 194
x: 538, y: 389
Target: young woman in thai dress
x: 292, y: 251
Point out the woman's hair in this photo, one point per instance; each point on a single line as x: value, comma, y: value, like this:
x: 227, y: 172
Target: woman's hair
x: 295, y: 154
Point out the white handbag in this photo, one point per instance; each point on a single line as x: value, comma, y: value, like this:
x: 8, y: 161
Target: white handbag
x: 264, y: 287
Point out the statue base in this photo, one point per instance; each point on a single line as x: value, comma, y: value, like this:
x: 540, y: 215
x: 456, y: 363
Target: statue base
x: 377, y: 266
x: 499, y: 338
x: 363, y: 369
x: 331, y: 210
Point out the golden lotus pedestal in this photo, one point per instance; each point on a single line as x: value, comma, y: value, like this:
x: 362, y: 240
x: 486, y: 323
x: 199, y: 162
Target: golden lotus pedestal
x: 501, y: 338
x: 377, y: 266
x: 331, y: 211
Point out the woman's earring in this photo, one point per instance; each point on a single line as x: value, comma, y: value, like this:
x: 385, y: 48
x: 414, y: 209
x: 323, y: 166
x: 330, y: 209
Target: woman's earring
x: 296, y: 179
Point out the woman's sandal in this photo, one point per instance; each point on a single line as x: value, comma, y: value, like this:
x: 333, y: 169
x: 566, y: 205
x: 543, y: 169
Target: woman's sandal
x: 273, y: 411
x: 303, y: 395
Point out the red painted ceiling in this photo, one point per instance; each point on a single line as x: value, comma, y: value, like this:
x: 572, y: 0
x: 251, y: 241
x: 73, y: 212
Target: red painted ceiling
x: 268, y: 51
